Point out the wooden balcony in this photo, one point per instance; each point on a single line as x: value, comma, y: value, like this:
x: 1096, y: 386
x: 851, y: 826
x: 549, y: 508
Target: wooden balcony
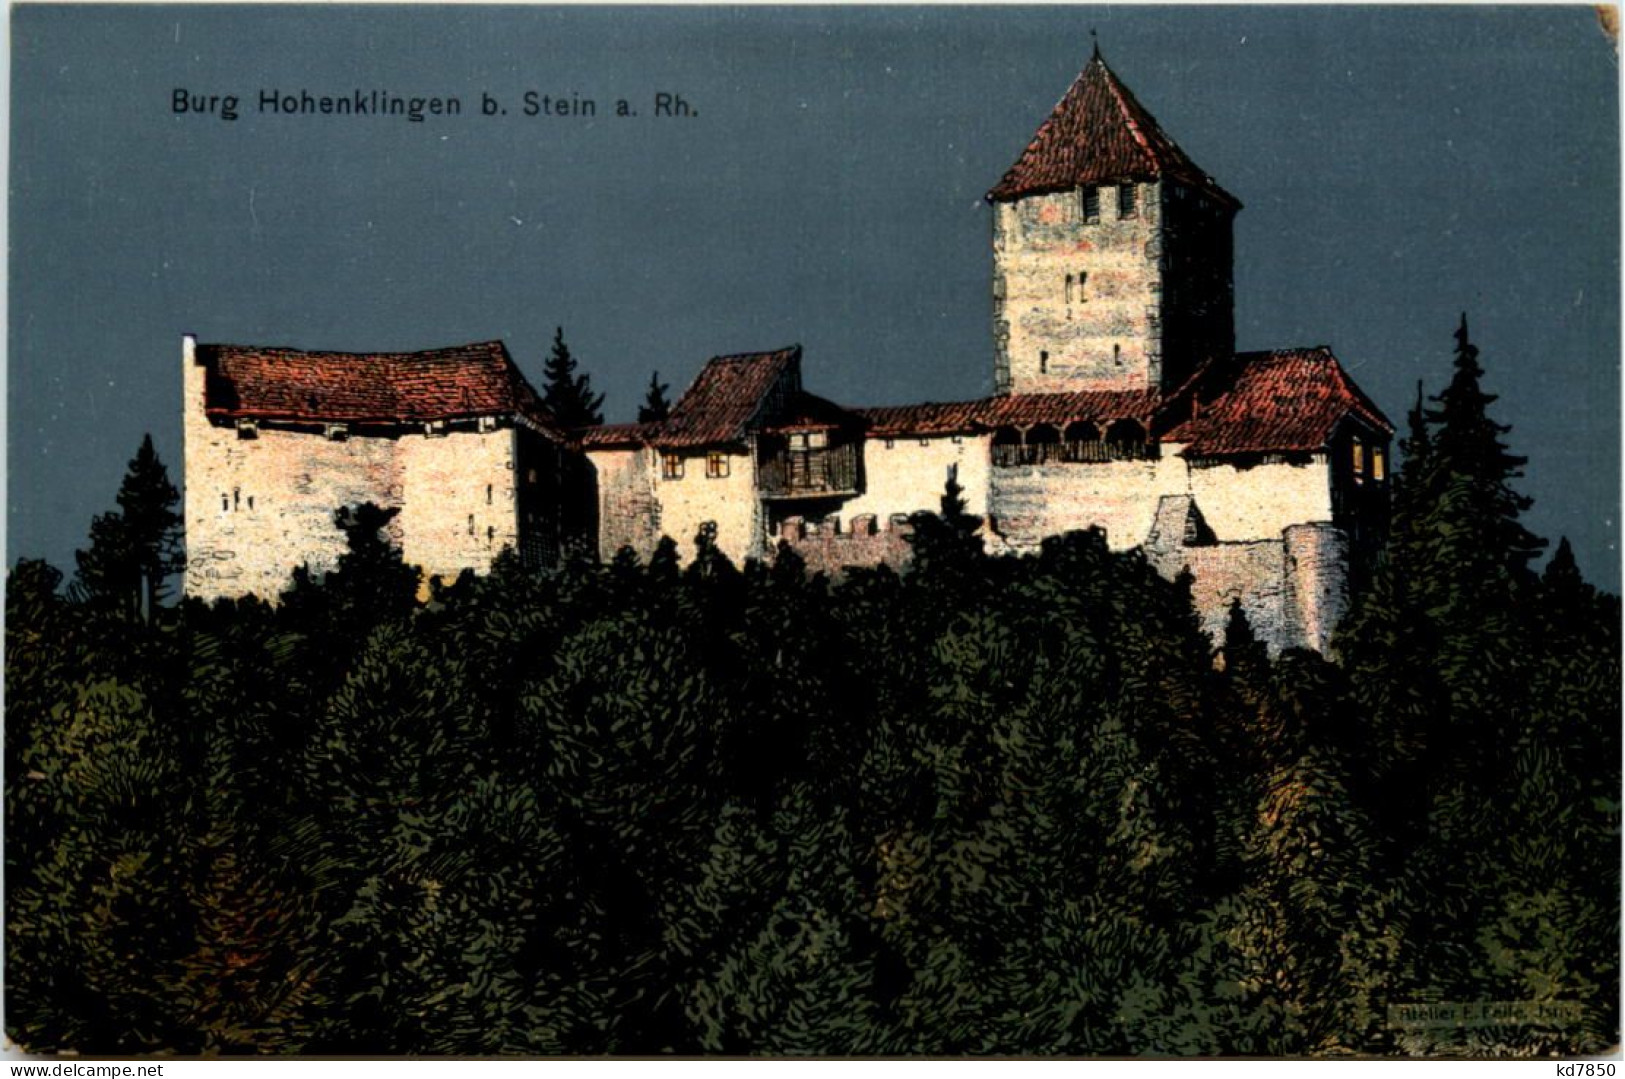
x: 818, y: 473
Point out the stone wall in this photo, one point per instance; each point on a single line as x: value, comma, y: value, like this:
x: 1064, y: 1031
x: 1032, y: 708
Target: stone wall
x: 832, y: 544
x: 696, y: 498
x: 1197, y: 299
x: 1317, y: 570
x: 907, y: 475
x: 1103, y: 333
x: 1255, y: 503
x: 1029, y: 502
x: 457, y: 500
x: 628, y: 508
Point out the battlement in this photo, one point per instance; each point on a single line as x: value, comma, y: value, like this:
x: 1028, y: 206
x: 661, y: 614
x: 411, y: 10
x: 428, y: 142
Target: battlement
x: 829, y: 545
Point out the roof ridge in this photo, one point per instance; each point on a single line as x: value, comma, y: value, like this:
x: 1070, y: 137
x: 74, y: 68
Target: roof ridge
x: 1117, y: 90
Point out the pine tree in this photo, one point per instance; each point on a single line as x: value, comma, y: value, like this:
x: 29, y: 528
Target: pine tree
x: 569, y: 395
x: 655, y: 406
x: 149, y: 503
x: 134, y: 550
x: 1468, y: 451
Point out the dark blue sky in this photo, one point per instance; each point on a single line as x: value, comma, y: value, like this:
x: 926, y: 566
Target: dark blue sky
x: 1398, y: 166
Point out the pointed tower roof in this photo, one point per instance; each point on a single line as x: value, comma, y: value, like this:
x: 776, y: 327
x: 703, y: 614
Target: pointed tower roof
x: 1099, y: 134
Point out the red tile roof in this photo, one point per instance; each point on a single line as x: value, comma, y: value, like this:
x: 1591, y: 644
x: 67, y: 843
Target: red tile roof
x: 956, y: 417
x: 607, y: 435
x: 1282, y: 401
x: 1062, y: 408
x: 465, y: 381
x: 1015, y: 410
x: 1099, y: 134
x: 729, y: 393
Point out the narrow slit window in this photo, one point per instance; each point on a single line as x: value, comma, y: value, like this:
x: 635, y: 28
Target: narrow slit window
x: 1083, y: 279
x: 1357, y: 458
x: 1117, y: 355
x: 1128, y: 203
x: 471, y: 524
x: 1043, y: 362
x: 488, y: 494
x: 1069, y: 289
x: 250, y: 501
x: 1379, y: 464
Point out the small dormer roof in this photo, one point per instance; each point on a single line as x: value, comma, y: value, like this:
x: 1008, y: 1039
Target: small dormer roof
x: 1099, y: 134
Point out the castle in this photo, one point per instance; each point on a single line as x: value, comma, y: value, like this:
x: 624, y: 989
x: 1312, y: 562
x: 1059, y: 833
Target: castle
x: 1120, y: 403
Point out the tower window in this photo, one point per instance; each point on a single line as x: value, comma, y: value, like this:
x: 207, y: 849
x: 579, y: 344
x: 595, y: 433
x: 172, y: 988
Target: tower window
x: 1379, y: 464
x: 1043, y: 363
x: 1068, y: 288
x: 1117, y: 355
x: 471, y: 524
x: 1090, y: 201
x: 488, y: 494
x: 1127, y: 202
x: 1358, y: 460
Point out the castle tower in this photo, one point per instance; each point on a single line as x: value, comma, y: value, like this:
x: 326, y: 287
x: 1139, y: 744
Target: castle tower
x: 1111, y: 252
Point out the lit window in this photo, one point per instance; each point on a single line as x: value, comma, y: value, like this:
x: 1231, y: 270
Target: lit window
x: 671, y: 467
x: 530, y: 475
x: 1379, y: 464
x: 798, y: 441
x: 1127, y: 203
x: 1357, y: 458
x: 817, y: 440
x: 1091, y: 204
x: 716, y: 465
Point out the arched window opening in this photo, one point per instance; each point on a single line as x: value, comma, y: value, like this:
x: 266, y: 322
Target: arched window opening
x: 1126, y: 441
x: 1007, y: 446
x: 1083, y: 442
x: 1043, y: 444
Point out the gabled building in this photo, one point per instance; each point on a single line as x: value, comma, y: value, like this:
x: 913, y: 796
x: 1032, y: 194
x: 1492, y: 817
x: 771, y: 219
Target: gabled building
x: 278, y: 439
x: 1120, y: 404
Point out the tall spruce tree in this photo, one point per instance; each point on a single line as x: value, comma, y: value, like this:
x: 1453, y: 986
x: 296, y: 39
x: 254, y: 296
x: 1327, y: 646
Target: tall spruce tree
x: 569, y: 395
x: 134, y: 551
x: 655, y: 406
x: 1468, y: 453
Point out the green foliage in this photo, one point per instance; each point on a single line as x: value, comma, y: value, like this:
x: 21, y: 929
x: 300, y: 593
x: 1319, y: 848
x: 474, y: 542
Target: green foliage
x: 568, y: 395
x: 135, y: 550
x: 655, y: 405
